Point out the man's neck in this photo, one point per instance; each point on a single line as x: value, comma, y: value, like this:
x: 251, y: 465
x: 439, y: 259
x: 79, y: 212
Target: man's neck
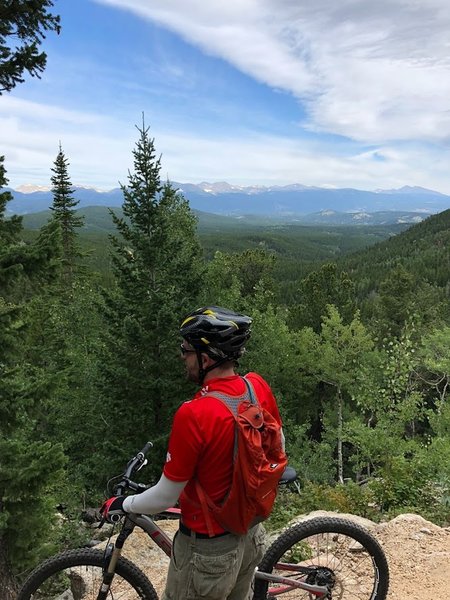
x: 220, y: 372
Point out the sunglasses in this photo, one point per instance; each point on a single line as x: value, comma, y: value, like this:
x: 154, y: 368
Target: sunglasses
x: 185, y: 350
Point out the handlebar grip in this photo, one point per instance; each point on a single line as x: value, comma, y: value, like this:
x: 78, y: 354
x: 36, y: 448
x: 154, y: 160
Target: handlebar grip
x: 146, y: 448
x: 133, y: 465
x: 137, y: 461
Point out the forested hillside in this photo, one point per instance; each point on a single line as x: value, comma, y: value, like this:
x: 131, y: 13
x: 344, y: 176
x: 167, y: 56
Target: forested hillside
x: 423, y: 250
x: 356, y: 348
x: 297, y: 248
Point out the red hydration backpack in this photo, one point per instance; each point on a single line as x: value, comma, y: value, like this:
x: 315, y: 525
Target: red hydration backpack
x: 258, y: 464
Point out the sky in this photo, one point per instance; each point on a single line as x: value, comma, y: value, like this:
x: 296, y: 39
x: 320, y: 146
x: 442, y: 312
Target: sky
x: 348, y: 93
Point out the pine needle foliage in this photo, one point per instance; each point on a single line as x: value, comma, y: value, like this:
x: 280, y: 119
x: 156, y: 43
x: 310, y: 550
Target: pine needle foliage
x: 157, y: 264
x: 29, y: 466
x: 64, y: 212
x: 23, y: 24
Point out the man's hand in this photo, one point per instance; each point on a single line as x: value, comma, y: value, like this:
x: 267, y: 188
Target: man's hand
x: 112, y: 510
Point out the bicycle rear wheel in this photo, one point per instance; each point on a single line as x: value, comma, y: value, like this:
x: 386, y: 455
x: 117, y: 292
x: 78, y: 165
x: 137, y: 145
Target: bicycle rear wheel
x: 326, y: 551
x: 77, y: 575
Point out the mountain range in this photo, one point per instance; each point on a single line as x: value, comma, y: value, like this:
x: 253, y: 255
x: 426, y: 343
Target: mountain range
x: 304, y: 204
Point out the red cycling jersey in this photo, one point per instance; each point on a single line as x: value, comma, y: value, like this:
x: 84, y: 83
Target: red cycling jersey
x: 201, y: 444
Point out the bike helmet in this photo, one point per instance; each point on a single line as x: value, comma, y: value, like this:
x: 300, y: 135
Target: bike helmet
x: 219, y: 332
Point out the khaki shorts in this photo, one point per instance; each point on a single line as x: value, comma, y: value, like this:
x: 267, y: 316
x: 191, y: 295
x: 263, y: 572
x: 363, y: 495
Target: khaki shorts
x: 220, y: 568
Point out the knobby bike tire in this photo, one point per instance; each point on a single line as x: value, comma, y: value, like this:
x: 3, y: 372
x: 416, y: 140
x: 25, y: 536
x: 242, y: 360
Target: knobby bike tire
x: 76, y: 575
x: 331, y: 551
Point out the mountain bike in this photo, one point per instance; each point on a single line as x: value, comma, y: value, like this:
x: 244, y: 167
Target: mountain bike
x: 323, y: 557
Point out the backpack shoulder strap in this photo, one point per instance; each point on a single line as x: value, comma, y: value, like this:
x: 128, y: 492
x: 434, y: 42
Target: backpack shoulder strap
x: 232, y: 403
x: 250, y: 390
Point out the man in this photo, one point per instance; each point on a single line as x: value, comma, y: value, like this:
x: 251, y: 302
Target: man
x: 207, y: 562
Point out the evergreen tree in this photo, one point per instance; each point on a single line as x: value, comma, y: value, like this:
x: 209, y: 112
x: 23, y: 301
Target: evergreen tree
x: 319, y: 289
x: 9, y: 233
x: 29, y: 465
x: 64, y: 211
x: 22, y: 27
x: 157, y: 262
x: 65, y: 340
x: 243, y: 280
x: 9, y: 228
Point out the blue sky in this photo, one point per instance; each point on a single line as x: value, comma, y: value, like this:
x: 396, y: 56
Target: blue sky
x: 252, y: 92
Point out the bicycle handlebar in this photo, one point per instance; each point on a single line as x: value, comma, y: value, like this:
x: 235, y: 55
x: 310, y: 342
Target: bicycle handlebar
x: 136, y: 463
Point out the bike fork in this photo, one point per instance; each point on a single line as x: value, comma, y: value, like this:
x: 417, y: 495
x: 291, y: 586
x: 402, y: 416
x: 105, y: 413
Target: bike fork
x: 112, y: 556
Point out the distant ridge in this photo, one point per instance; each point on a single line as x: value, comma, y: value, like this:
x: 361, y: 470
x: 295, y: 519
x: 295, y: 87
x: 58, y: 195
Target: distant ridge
x: 289, y: 201
x: 98, y: 218
x: 407, y: 189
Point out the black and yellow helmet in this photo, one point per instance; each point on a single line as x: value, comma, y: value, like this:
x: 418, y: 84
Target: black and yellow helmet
x: 219, y: 332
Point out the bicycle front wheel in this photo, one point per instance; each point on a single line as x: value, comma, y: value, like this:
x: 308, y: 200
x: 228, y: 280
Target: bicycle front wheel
x: 77, y: 575
x: 325, y: 551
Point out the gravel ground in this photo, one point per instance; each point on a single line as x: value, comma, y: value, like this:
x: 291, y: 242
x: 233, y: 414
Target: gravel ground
x: 418, y: 553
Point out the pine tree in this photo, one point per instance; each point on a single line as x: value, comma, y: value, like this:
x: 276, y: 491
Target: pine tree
x: 22, y: 29
x: 319, y: 289
x: 29, y: 466
x: 64, y: 212
x: 9, y: 233
x: 157, y: 262
x: 9, y: 228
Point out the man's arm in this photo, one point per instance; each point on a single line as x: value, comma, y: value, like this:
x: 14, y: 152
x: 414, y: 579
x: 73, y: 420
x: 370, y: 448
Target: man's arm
x: 161, y: 496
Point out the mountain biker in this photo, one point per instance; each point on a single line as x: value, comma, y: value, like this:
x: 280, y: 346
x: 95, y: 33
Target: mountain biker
x: 205, y: 565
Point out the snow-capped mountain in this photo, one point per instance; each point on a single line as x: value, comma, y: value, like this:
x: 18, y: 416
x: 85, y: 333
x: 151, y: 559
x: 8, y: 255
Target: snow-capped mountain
x: 278, y: 201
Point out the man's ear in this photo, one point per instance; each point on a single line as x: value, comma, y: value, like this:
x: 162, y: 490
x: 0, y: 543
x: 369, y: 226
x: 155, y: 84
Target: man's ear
x: 206, y: 360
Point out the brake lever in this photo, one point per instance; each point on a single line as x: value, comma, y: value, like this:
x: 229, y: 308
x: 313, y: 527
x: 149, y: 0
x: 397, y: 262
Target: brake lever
x: 144, y: 462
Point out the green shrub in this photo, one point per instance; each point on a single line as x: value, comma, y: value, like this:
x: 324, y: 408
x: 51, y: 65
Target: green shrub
x: 287, y: 506
x: 347, y: 498
x: 416, y: 495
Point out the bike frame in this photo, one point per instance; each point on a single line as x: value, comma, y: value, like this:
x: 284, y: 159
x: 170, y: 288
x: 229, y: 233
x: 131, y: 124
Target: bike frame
x: 161, y: 539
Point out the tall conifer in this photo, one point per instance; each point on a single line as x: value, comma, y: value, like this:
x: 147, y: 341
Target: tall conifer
x: 29, y: 466
x: 64, y: 212
x: 157, y: 263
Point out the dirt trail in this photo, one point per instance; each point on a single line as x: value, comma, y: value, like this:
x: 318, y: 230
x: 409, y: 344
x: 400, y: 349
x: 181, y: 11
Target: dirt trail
x: 419, y: 558
x: 418, y: 553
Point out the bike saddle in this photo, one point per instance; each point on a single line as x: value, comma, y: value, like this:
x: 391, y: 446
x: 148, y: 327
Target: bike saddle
x: 288, y: 476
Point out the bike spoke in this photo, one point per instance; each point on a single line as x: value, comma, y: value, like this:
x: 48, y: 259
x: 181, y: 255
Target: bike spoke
x: 82, y: 583
x: 332, y: 559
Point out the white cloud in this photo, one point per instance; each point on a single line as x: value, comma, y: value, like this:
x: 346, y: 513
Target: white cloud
x: 32, y: 131
x: 376, y: 73
x: 99, y: 152
x: 372, y: 72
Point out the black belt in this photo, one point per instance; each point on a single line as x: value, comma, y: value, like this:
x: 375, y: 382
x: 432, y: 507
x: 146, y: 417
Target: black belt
x: 200, y: 536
